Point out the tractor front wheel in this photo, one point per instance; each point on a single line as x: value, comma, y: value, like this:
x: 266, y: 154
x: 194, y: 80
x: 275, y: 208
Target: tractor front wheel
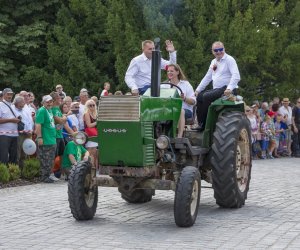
x: 187, y: 197
x: 83, y: 197
x: 231, y: 160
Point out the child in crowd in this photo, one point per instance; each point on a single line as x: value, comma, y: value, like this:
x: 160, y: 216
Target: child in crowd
x: 268, y: 132
x: 106, y: 89
x: 72, y: 155
x: 279, y: 130
x: 254, y: 131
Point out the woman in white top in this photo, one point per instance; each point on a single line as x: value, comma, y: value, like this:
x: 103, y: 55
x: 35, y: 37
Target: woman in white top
x: 177, y: 77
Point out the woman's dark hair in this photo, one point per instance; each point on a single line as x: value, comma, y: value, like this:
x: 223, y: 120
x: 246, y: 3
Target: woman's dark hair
x: 275, y: 107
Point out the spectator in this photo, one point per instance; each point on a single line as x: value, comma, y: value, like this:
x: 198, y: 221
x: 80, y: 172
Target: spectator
x: 267, y: 136
x: 177, y: 77
x: 84, y: 96
x: 74, y: 116
x: 8, y: 129
x: 286, y: 112
x: 59, y: 120
x: 279, y: 130
x: 26, y: 118
x: 90, y: 121
x: 72, y: 155
x: 118, y: 92
x: 68, y: 100
x: 223, y: 72
x: 68, y: 128
x: 31, y: 103
x: 46, y: 138
x: 263, y: 109
x: 59, y: 90
x: 276, y: 100
x: 106, y: 89
x: 254, y: 131
x: 296, y: 129
x: 138, y: 74
x: 95, y: 99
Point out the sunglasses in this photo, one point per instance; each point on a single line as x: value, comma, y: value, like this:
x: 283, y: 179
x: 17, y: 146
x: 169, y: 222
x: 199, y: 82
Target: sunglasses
x: 218, y: 50
x: 92, y: 105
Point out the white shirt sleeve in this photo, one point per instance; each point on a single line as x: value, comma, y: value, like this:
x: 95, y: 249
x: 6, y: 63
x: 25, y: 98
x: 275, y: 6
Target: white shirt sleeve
x: 172, y: 60
x: 235, y: 74
x: 130, y: 75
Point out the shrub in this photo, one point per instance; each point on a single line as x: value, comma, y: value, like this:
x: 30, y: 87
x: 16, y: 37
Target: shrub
x: 31, y: 168
x: 14, y: 172
x: 4, y: 173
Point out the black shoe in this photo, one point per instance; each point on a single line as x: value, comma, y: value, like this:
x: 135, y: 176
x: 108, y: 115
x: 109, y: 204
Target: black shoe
x: 199, y: 128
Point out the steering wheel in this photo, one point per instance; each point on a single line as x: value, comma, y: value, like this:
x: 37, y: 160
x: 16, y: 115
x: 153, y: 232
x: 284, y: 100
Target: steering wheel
x: 173, y: 85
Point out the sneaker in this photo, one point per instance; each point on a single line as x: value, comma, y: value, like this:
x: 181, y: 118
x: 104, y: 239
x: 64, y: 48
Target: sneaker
x: 53, y: 178
x: 47, y: 180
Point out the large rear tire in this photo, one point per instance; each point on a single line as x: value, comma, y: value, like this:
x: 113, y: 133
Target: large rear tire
x: 138, y: 195
x: 187, y: 197
x: 231, y: 160
x: 83, y: 197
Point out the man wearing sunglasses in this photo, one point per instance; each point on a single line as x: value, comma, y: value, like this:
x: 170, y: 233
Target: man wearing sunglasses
x: 224, y: 74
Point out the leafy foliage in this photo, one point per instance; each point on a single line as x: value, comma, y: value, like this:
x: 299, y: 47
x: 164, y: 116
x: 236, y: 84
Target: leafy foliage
x: 31, y: 168
x: 86, y: 43
x: 4, y: 173
x: 14, y: 172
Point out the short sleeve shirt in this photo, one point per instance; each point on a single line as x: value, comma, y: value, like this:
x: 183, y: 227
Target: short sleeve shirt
x: 45, y: 118
x: 56, y: 112
x: 72, y: 149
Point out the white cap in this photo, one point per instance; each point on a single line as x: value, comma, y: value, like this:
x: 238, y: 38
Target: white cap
x: 46, y: 98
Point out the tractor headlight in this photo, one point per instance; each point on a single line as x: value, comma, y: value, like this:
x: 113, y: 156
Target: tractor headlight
x: 80, y: 138
x: 162, y: 142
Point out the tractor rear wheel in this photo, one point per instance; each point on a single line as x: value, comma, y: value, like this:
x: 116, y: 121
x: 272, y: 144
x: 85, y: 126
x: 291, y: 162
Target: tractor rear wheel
x: 138, y: 195
x: 187, y: 197
x: 83, y: 197
x: 231, y: 160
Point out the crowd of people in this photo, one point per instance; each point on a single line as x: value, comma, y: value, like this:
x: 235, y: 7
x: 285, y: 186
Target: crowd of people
x: 275, y: 126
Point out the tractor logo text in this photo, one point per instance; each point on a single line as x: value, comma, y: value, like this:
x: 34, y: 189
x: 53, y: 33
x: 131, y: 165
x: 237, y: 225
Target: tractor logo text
x: 114, y: 130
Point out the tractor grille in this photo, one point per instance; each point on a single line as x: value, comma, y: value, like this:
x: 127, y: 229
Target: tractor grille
x: 116, y: 108
x: 149, y: 149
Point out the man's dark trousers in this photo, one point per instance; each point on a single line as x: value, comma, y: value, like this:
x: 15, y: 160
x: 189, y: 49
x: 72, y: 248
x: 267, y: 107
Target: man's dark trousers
x: 9, y: 149
x: 204, y: 99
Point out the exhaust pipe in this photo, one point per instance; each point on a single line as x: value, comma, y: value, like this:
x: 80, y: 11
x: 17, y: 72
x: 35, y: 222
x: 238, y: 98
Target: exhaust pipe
x: 155, y: 69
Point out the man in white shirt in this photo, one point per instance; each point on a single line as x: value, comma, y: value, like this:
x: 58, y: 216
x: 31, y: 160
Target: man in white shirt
x: 8, y: 129
x: 84, y: 96
x: 138, y: 75
x: 286, y: 111
x: 19, y: 108
x: 224, y: 74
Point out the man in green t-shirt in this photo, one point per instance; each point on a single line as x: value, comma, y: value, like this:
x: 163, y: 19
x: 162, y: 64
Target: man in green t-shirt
x: 73, y: 153
x: 59, y: 120
x: 46, y: 138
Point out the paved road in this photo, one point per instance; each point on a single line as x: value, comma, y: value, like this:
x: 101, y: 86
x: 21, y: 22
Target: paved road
x: 38, y: 217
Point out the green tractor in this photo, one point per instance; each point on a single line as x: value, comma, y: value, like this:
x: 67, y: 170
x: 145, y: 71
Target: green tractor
x: 139, y: 153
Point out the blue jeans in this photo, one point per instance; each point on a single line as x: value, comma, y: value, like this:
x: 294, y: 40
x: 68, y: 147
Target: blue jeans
x: 143, y: 89
x: 188, y: 113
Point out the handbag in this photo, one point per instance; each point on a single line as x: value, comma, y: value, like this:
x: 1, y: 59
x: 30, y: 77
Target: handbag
x: 91, y: 131
x: 21, y: 126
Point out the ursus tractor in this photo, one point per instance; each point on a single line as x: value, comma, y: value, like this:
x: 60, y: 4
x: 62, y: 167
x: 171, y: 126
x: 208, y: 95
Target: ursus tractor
x: 139, y: 153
